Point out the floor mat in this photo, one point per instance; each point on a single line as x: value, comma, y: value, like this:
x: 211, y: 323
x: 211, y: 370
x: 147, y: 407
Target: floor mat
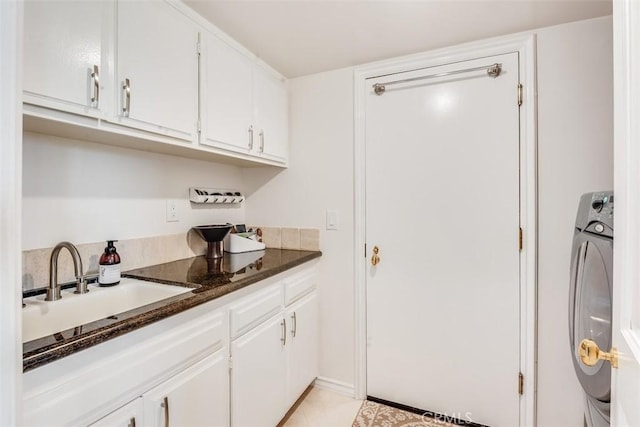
x: 372, y: 414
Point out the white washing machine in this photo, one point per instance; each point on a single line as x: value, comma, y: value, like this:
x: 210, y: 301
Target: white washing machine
x: 590, y: 299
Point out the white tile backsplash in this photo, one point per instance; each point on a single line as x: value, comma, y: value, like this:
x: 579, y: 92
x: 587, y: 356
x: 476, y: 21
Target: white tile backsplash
x: 134, y: 253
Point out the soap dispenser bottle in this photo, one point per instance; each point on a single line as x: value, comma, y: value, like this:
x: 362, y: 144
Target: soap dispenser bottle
x: 109, y: 272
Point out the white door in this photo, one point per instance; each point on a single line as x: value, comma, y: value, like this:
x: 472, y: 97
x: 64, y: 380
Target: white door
x: 442, y: 206
x: 157, y: 55
x: 259, y: 375
x: 625, y: 381
x: 196, y: 397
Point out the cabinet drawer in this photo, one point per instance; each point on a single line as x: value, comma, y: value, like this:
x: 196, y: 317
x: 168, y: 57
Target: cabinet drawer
x: 253, y: 310
x: 299, y: 285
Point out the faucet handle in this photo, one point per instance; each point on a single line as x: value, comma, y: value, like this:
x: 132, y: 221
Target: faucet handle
x: 81, y: 285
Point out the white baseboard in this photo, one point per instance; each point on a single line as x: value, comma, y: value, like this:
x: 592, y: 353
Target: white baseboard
x: 335, y: 385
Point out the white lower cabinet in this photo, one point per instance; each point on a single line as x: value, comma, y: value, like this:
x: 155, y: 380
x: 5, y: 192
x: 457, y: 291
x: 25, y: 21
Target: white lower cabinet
x: 259, y: 376
x: 302, y: 345
x: 273, y: 363
x: 197, y: 397
x: 130, y: 415
x: 242, y: 361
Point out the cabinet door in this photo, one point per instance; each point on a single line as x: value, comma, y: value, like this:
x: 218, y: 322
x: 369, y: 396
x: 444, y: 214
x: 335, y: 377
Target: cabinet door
x: 258, y: 376
x: 303, y: 350
x: 129, y: 415
x: 198, y: 396
x: 228, y: 97
x: 62, y: 44
x: 271, y: 115
x: 157, y: 55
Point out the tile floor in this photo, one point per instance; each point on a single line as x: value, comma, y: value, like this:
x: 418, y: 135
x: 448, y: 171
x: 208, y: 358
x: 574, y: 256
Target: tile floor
x: 322, y: 408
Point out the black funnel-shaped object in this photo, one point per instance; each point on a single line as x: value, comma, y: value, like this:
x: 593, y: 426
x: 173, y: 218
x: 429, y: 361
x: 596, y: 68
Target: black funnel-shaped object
x: 213, y: 235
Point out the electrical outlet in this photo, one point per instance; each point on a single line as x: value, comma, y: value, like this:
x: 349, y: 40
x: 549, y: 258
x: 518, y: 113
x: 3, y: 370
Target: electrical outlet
x: 172, y: 211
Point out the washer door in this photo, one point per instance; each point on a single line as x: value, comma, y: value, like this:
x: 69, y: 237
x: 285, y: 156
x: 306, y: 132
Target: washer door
x: 590, y: 309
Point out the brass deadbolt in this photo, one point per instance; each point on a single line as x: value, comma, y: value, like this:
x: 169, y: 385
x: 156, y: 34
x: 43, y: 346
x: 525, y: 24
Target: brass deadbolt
x: 375, y: 259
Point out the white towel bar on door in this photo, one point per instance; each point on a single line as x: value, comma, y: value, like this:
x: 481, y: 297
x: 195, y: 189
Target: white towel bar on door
x: 493, y: 70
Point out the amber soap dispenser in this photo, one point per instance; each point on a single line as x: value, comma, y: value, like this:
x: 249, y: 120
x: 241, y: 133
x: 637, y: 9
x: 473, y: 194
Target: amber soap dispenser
x: 109, y: 271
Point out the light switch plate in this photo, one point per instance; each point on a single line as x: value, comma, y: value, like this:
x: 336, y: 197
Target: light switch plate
x: 332, y: 220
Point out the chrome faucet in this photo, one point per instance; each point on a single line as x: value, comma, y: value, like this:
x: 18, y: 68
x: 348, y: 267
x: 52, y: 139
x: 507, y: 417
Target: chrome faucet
x: 53, y: 292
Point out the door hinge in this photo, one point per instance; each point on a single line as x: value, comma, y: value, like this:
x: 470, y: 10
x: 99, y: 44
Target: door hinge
x: 198, y: 126
x: 230, y: 362
x: 519, y: 94
x: 520, y: 238
x: 198, y: 46
x: 520, y: 383
x: 365, y: 250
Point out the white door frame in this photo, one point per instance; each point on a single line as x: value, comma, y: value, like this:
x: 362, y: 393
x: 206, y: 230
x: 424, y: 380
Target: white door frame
x: 10, y: 212
x: 626, y: 273
x: 525, y: 46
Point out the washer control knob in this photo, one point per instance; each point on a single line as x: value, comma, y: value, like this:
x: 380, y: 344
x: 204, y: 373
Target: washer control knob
x: 597, y: 205
x: 599, y: 228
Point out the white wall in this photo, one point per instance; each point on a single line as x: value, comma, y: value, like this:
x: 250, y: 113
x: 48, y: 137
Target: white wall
x: 320, y: 178
x: 575, y: 156
x: 10, y: 207
x: 85, y: 192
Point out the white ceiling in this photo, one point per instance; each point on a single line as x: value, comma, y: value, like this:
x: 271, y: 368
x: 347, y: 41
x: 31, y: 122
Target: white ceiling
x: 300, y: 37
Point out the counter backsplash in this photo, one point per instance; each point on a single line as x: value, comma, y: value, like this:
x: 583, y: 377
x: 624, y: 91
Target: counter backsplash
x: 142, y: 252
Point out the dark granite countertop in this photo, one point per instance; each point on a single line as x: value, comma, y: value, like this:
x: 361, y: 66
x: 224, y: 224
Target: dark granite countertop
x: 209, y: 279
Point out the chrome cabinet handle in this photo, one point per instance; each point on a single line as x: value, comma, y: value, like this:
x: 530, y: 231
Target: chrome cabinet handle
x: 294, y: 328
x: 250, y: 137
x: 284, y: 332
x: 165, y: 405
x: 126, y: 87
x: 95, y: 75
x: 132, y: 422
x: 261, y: 140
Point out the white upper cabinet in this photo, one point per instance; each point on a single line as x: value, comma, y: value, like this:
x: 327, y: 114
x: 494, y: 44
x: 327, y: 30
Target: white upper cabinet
x: 63, y: 58
x: 227, y: 90
x: 151, y: 75
x: 271, y: 115
x: 245, y: 105
x: 157, y: 69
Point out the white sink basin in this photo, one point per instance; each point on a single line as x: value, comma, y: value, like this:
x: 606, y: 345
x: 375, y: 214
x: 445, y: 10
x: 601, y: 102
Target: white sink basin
x: 41, y: 318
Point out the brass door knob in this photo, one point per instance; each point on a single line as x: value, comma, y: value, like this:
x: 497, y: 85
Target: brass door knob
x: 590, y: 353
x: 375, y: 259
